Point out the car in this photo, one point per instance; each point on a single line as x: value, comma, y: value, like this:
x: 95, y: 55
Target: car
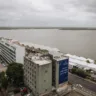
x: 24, y: 90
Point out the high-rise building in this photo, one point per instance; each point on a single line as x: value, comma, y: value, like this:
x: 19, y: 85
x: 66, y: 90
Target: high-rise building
x: 38, y: 73
x: 11, y: 50
x: 59, y: 69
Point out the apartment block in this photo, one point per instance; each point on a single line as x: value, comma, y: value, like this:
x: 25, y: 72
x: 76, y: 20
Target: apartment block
x: 38, y: 73
x: 12, y: 51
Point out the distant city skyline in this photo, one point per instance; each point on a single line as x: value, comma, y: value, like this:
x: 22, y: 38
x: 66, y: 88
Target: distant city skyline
x: 55, y: 13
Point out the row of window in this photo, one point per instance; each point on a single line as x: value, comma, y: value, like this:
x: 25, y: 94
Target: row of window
x: 29, y: 63
x: 7, y: 48
x: 30, y: 82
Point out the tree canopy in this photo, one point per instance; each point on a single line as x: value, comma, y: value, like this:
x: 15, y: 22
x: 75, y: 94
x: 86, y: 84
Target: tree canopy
x: 3, y: 80
x: 15, y: 73
x: 80, y: 72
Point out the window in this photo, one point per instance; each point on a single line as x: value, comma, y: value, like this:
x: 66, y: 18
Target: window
x: 46, y: 71
x: 45, y: 90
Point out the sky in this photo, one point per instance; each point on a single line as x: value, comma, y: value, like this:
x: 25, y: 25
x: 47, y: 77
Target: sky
x: 52, y: 13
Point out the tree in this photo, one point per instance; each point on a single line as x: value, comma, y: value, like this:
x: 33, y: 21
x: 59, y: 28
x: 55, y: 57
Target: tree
x: 87, y: 61
x: 15, y: 73
x: 95, y: 61
x: 80, y: 72
x: 3, y: 80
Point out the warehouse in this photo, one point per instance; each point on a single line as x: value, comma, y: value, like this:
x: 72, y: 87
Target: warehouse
x: 81, y: 62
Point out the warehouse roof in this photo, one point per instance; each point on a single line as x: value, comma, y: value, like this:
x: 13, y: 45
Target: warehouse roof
x: 81, y: 62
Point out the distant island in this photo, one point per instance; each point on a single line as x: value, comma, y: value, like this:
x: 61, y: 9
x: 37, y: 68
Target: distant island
x: 60, y: 28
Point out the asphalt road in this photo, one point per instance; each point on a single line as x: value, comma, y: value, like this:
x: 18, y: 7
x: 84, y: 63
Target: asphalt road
x: 78, y: 80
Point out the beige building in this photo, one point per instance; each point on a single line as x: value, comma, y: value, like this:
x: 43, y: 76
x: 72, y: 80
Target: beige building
x: 38, y: 73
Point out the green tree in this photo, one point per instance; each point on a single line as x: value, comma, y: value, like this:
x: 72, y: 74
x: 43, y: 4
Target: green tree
x: 3, y: 80
x: 15, y: 73
x: 87, y: 61
x: 95, y: 61
x: 80, y: 72
x: 74, y: 70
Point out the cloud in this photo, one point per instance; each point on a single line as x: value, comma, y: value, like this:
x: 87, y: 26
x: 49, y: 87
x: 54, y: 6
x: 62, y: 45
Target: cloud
x: 47, y: 13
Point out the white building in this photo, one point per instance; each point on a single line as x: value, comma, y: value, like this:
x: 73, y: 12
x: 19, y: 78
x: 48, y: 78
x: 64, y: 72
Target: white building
x: 81, y: 62
x: 38, y: 73
x: 11, y: 50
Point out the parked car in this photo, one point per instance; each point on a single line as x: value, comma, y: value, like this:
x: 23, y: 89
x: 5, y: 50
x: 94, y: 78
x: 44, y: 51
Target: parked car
x: 24, y: 90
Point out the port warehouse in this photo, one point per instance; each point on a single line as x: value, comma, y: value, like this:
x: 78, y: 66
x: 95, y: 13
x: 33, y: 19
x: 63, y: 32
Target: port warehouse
x: 81, y: 62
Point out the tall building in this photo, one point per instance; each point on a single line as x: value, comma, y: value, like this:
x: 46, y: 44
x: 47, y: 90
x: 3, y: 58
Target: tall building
x: 38, y: 72
x: 11, y: 50
x: 59, y: 69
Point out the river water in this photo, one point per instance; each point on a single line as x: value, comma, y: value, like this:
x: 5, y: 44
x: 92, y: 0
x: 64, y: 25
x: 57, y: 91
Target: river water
x: 78, y: 42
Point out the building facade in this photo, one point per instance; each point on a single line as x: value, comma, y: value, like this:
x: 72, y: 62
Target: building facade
x: 38, y: 73
x: 59, y: 69
x: 11, y: 51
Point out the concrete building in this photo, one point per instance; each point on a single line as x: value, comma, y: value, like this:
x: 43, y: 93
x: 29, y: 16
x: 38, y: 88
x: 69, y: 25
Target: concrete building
x: 11, y: 50
x: 38, y: 72
x: 59, y: 69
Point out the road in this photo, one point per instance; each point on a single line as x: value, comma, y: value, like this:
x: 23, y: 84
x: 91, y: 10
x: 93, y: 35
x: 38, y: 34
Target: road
x: 78, y: 80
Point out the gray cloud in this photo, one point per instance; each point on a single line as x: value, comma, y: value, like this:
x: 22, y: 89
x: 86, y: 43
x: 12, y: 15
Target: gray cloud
x: 47, y: 13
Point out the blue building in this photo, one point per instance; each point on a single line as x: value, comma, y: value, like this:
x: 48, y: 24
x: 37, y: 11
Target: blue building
x: 59, y: 69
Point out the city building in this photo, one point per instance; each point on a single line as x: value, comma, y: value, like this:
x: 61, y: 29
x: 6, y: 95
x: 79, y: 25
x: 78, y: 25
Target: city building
x: 59, y: 69
x: 11, y: 50
x: 45, y: 68
x: 38, y: 72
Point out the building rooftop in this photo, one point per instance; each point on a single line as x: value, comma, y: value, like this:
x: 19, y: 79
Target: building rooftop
x: 58, y: 55
x: 40, y: 46
x: 10, y: 43
x: 81, y: 62
x: 38, y: 58
x: 15, y: 43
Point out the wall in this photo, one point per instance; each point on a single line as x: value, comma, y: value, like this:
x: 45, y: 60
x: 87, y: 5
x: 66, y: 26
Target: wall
x: 20, y: 53
x: 45, y: 78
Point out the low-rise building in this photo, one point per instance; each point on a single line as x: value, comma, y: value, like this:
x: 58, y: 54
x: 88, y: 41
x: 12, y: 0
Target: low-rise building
x: 81, y: 62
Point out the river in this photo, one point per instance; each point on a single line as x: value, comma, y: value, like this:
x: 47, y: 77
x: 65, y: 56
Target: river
x: 77, y: 42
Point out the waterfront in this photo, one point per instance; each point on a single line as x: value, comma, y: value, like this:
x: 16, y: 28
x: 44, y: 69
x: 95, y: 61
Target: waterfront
x: 78, y: 42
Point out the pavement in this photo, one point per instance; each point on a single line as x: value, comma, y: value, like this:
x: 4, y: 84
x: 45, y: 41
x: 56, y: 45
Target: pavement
x: 74, y: 79
x: 73, y: 93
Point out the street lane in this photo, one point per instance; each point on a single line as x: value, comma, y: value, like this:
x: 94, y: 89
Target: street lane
x: 78, y: 80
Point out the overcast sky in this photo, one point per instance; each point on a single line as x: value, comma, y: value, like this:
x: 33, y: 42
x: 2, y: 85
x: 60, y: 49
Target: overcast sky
x: 48, y: 13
